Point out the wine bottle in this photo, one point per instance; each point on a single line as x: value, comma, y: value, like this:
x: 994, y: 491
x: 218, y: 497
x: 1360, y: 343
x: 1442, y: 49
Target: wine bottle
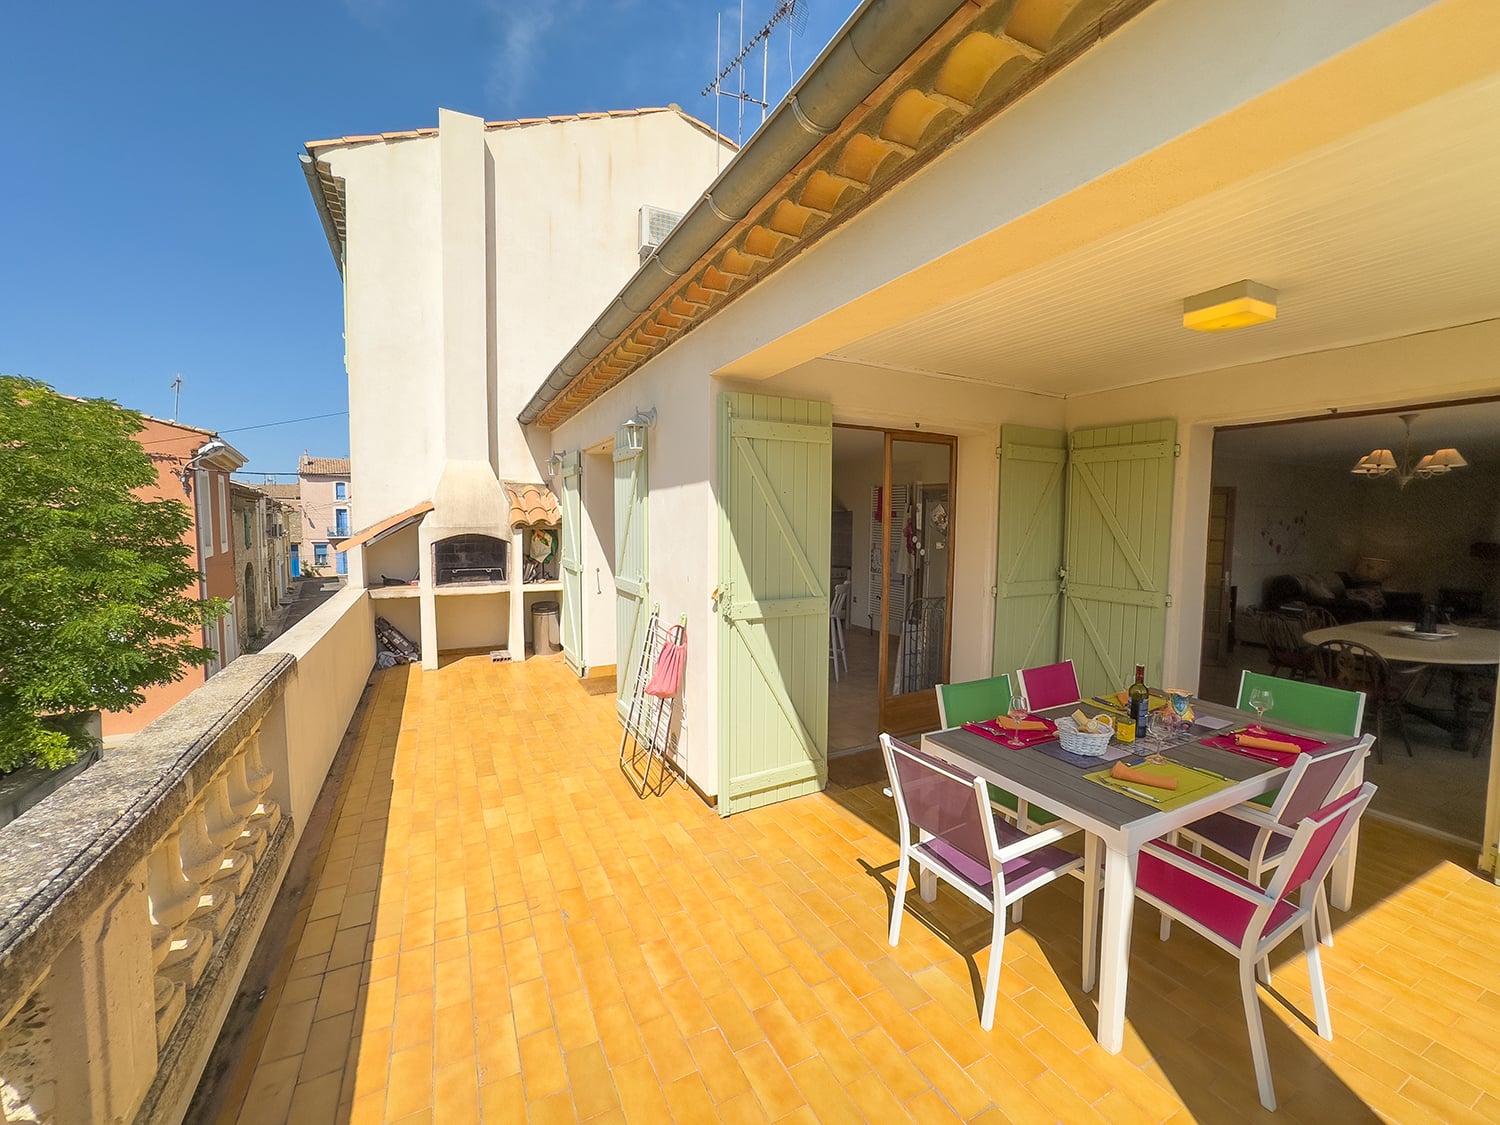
x: 1139, y: 696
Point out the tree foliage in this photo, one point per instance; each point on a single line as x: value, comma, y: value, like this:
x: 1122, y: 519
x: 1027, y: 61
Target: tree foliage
x: 98, y: 594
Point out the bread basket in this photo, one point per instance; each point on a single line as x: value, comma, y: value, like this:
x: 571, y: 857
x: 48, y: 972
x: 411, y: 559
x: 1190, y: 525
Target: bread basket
x: 1083, y: 742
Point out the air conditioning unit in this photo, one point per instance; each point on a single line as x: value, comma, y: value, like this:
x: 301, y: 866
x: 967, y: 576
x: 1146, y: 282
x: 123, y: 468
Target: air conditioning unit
x: 656, y: 224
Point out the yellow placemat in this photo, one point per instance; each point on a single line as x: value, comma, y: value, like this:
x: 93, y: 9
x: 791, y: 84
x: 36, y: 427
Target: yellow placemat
x: 1191, y: 785
x: 1112, y: 702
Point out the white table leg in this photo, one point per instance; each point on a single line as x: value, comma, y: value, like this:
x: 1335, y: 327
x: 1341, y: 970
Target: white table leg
x: 927, y: 885
x: 1114, y: 946
x: 1090, y: 910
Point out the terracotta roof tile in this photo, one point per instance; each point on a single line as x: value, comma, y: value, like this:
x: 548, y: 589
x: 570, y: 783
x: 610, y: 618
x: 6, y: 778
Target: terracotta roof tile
x: 532, y: 504
x: 324, y: 466
x: 280, y: 491
x: 375, y: 530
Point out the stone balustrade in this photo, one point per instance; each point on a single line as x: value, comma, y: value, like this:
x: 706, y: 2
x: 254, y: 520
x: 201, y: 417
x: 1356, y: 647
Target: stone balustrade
x: 132, y: 898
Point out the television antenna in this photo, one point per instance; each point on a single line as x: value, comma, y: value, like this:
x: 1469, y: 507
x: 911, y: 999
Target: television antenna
x: 176, y: 386
x: 730, y: 79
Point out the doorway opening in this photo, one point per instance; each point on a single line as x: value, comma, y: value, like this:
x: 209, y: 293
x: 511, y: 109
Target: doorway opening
x: 891, y: 582
x: 1317, y: 553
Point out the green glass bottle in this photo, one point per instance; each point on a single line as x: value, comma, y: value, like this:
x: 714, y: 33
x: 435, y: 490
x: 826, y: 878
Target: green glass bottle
x: 1139, y: 697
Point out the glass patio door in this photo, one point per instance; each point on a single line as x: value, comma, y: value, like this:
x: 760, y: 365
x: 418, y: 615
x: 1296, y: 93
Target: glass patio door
x: 916, y: 511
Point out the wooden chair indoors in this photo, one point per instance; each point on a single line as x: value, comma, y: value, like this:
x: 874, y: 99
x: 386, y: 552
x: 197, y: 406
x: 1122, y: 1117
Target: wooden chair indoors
x: 1356, y: 667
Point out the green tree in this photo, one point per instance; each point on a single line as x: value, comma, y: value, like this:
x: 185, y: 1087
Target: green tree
x: 97, y: 589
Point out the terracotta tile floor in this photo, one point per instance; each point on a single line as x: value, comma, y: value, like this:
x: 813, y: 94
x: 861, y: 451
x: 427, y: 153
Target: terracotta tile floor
x: 499, y: 930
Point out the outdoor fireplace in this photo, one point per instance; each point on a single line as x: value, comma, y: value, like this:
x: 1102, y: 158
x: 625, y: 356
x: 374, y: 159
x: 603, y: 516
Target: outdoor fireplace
x: 469, y: 559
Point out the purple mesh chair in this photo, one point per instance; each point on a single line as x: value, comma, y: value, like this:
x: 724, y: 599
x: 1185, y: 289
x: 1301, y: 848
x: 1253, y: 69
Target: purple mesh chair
x: 962, y: 841
x: 1049, y: 685
x: 1248, y: 921
x: 1257, y: 837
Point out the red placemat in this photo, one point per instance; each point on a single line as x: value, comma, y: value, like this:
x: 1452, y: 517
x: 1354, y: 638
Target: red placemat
x: 1277, y: 757
x: 996, y: 733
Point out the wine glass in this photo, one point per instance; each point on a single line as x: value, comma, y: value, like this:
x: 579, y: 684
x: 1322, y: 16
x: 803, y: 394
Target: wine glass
x: 1018, y: 710
x: 1261, y: 700
x: 1161, y: 723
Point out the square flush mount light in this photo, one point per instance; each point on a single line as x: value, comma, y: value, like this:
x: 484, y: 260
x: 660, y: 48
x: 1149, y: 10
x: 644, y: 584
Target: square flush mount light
x: 1232, y: 306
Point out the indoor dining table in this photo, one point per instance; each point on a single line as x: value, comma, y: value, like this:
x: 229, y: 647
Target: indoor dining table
x: 1119, y: 824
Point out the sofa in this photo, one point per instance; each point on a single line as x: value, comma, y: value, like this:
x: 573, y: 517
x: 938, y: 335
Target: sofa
x: 1342, y: 595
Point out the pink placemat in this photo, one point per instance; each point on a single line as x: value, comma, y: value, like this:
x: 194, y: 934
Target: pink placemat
x: 996, y: 733
x: 1277, y: 757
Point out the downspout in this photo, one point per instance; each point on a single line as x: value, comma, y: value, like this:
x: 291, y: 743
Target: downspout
x: 330, y: 232
x: 878, y: 38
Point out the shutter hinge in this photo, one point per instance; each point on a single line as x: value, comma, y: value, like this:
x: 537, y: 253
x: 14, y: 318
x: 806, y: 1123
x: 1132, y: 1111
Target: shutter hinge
x: 1167, y: 601
x: 994, y: 591
x: 998, y: 451
x: 1176, y: 449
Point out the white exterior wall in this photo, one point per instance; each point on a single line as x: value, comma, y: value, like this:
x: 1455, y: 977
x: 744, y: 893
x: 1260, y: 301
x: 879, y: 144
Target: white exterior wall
x: 557, y: 223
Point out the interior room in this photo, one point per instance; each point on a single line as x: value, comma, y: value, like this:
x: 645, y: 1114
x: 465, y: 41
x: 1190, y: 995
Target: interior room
x: 1308, y: 539
x: 897, y: 588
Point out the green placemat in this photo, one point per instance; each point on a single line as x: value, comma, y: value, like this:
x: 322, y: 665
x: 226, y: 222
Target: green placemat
x: 1191, y: 785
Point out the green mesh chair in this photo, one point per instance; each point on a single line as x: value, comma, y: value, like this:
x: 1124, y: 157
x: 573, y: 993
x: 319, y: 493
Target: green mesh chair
x: 975, y: 701
x: 1310, y: 705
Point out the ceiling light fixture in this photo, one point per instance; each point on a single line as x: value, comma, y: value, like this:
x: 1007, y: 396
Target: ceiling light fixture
x: 1230, y: 306
x: 1383, y: 463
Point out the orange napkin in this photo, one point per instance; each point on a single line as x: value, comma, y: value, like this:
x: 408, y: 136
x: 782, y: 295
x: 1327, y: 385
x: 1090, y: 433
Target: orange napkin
x: 1025, y: 724
x: 1122, y: 772
x: 1254, y: 743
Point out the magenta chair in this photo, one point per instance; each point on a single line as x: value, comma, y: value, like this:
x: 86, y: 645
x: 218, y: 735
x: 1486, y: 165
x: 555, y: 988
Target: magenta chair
x: 1257, y: 838
x: 1050, y: 685
x: 1243, y: 919
x: 964, y: 842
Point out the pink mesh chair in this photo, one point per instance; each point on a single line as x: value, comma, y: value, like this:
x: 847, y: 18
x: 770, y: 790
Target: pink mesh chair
x: 1242, y: 918
x: 1049, y: 685
x: 963, y: 841
x: 1257, y: 838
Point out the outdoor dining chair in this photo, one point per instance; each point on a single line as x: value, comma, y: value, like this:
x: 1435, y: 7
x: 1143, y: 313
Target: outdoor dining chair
x: 1257, y: 840
x: 1049, y: 685
x: 1310, y: 705
x: 975, y: 701
x: 1356, y: 667
x: 1247, y: 921
x: 962, y: 841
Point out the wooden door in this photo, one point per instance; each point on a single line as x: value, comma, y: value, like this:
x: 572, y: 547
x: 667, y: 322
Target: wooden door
x: 572, y: 562
x: 1028, y: 579
x: 1217, y: 577
x: 775, y: 493
x: 1116, y: 550
x: 630, y: 566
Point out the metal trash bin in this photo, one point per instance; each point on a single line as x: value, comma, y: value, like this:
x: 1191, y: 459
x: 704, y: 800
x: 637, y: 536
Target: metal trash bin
x: 546, y: 628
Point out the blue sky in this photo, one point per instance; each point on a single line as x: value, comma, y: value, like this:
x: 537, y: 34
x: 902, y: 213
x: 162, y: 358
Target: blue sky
x: 153, y: 217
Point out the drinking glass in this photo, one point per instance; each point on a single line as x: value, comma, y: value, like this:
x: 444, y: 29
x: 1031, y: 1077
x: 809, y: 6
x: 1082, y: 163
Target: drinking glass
x: 1261, y: 700
x: 1161, y: 723
x: 1019, y: 709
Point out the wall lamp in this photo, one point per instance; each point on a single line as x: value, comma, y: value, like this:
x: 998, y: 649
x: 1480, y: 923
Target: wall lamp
x: 554, y: 465
x: 635, y: 429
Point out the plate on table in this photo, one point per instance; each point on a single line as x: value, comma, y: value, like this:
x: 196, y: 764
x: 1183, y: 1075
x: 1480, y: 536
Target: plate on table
x: 1407, y: 629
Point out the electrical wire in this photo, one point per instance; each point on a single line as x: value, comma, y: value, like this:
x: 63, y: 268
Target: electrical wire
x: 260, y: 426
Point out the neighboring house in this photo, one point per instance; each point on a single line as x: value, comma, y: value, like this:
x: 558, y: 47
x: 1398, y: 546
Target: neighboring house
x: 262, y: 567
x: 193, y: 466
x: 996, y: 244
x: 325, y: 498
x: 289, y: 498
x: 473, y: 254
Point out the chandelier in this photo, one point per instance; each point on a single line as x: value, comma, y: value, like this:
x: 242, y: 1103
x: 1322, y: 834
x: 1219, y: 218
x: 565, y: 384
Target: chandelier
x: 1382, y: 463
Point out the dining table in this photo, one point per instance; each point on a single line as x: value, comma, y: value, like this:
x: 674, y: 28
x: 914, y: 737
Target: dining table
x: 1459, y: 647
x: 1118, y: 824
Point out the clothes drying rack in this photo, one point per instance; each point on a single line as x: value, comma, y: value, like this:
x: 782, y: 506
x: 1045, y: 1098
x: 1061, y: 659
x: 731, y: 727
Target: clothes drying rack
x: 650, y: 739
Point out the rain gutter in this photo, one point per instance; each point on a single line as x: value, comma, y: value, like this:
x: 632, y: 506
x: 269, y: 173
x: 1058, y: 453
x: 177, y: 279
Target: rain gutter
x: 878, y: 38
x: 330, y: 229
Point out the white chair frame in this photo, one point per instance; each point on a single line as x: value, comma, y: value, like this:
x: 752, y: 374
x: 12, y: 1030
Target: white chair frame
x: 836, y: 650
x: 1255, y: 948
x: 929, y: 870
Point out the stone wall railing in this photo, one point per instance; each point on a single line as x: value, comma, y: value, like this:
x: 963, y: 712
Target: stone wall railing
x: 131, y: 899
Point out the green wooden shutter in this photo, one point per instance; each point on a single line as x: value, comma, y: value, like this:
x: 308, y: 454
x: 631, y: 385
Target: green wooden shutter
x: 630, y: 566
x: 775, y: 497
x: 572, y: 562
x: 1028, y: 583
x: 1118, y: 539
